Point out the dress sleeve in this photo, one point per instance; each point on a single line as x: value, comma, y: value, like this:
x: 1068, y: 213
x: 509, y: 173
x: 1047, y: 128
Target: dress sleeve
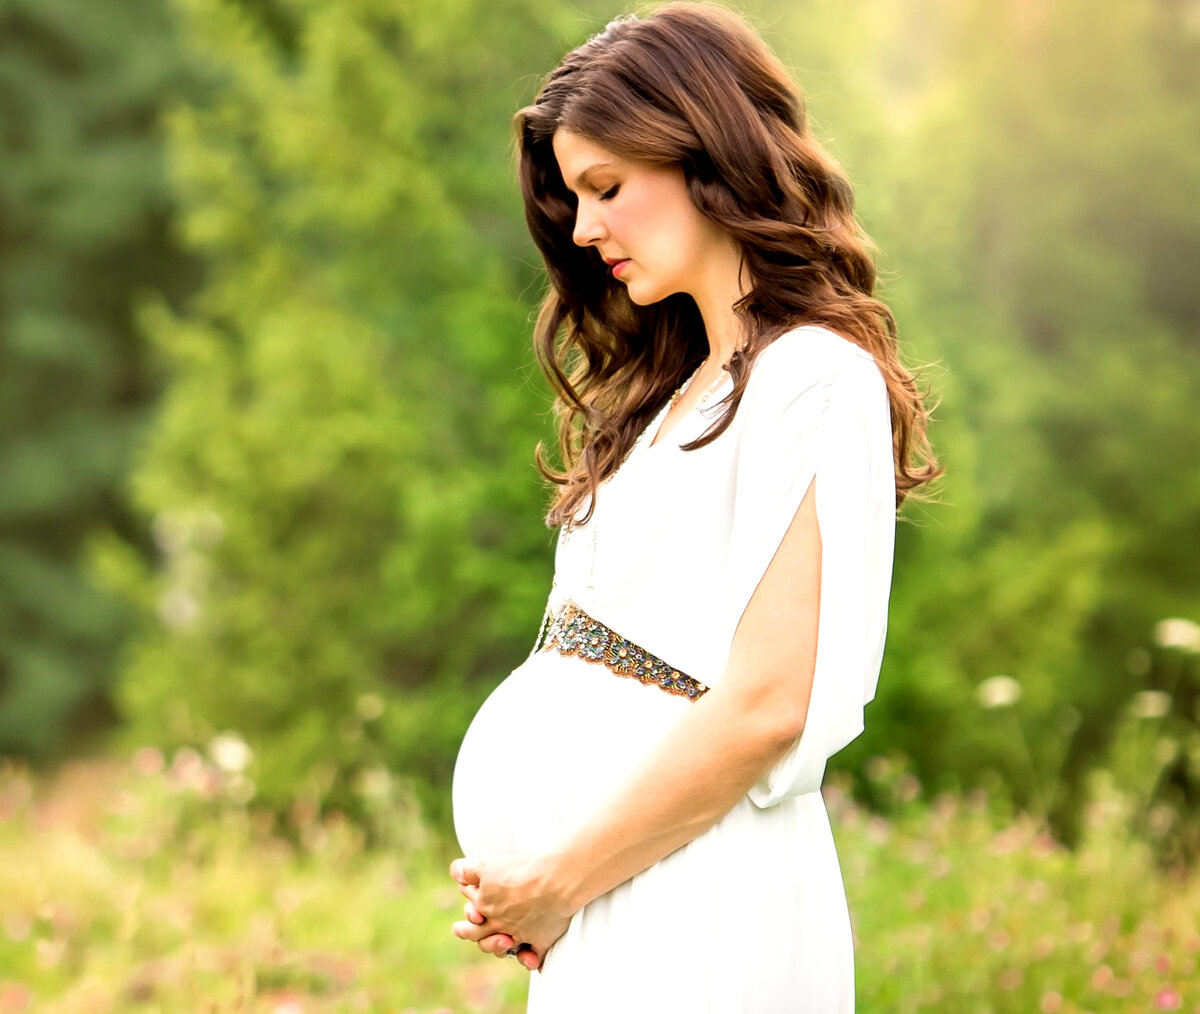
x: 822, y: 417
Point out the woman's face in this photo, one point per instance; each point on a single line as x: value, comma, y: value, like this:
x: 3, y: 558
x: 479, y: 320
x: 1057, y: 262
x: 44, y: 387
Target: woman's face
x: 641, y: 212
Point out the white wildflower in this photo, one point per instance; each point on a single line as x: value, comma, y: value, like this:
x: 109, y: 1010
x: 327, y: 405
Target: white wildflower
x: 229, y: 752
x: 370, y: 707
x: 1151, y: 704
x: 178, y: 608
x: 170, y: 531
x: 1177, y: 632
x: 998, y: 692
x: 1166, y: 750
x: 375, y: 782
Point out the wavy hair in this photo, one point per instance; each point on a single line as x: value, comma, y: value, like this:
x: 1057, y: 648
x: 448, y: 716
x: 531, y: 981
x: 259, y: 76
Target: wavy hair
x: 693, y: 85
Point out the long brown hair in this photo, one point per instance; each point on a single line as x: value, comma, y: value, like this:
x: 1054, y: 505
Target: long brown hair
x: 693, y: 85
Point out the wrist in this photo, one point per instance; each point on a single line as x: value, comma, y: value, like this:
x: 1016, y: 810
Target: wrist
x: 566, y: 880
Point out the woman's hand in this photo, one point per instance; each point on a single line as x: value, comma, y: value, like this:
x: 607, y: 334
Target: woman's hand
x: 519, y: 902
x: 501, y: 945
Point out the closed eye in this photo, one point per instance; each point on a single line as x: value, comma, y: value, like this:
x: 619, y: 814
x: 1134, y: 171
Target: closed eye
x: 608, y: 195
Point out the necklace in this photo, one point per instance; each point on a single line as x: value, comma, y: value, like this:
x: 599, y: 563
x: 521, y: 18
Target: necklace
x: 686, y: 386
x: 703, y: 398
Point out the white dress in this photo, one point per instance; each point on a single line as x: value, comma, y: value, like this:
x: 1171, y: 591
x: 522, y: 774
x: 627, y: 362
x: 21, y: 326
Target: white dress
x: 751, y: 916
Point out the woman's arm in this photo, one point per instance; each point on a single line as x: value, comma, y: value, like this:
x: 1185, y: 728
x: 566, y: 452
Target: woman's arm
x: 711, y: 757
x: 705, y: 763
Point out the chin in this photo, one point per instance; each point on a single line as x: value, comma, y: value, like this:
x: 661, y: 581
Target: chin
x: 645, y: 299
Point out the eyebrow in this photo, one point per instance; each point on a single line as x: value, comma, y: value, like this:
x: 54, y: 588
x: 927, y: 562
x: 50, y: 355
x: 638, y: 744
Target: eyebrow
x: 596, y: 165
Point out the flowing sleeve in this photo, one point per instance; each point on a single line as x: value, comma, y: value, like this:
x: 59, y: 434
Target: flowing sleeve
x: 819, y: 412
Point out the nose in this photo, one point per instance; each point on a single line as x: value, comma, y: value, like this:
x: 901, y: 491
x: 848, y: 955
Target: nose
x: 588, y: 227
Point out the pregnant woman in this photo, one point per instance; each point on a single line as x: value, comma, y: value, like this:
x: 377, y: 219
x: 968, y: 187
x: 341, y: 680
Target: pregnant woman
x: 639, y: 801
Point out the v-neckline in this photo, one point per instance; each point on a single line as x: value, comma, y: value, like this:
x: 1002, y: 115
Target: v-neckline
x: 655, y: 425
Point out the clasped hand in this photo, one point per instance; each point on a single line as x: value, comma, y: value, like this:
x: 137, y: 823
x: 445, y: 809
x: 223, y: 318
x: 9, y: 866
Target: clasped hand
x: 511, y: 900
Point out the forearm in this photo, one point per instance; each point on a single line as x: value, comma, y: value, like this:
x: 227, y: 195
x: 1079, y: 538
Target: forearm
x: 698, y: 771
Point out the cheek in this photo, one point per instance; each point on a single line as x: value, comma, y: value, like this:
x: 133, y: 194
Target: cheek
x: 653, y: 229
x: 635, y: 220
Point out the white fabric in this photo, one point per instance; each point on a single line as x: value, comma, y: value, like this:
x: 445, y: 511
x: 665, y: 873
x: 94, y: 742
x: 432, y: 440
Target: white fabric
x: 750, y: 916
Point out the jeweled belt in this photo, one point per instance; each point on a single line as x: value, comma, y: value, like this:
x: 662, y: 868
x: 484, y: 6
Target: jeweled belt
x: 574, y: 632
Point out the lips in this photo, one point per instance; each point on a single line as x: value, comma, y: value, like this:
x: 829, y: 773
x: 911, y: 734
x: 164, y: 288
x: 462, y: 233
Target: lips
x: 615, y: 263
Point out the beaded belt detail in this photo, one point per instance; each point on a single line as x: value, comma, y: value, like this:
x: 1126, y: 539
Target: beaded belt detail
x: 574, y: 632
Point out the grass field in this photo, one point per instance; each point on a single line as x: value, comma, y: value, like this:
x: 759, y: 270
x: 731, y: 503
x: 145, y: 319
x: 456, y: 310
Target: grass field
x: 153, y: 885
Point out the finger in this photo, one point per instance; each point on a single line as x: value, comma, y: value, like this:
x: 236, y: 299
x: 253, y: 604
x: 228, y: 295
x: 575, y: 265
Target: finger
x: 469, y: 931
x: 529, y: 959
x: 497, y: 944
x: 465, y: 871
x: 472, y: 896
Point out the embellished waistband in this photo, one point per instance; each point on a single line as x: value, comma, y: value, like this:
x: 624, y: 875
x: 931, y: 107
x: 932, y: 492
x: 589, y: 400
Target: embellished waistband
x: 574, y: 632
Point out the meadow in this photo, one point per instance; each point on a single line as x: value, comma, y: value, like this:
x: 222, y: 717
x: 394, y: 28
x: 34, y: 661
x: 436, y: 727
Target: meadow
x: 154, y: 884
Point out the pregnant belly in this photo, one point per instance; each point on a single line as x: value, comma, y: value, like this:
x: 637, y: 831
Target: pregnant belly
x: 545, y: 749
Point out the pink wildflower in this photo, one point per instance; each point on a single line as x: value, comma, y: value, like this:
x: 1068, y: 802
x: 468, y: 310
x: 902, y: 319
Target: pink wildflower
x: 999, y: 939
x: 148, y: 761
x: 1052, y: 1002
x: 1167, y: 999
x: 14, y: 997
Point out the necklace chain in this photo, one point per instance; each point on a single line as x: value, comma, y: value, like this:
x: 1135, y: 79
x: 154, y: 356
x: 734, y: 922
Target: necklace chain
x: 686, y: 385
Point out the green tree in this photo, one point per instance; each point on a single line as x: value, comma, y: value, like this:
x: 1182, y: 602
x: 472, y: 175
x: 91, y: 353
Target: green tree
x: 1034, y: 196
x: 348, y: 556
x: 84, y: 226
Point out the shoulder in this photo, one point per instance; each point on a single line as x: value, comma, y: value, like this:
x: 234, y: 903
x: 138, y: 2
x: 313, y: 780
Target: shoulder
x: 813, y: 358
x: 814, y: 347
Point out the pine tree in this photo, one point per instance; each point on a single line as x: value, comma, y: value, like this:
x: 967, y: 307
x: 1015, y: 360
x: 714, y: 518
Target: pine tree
x: 347, y: 558
x: 84, y: 226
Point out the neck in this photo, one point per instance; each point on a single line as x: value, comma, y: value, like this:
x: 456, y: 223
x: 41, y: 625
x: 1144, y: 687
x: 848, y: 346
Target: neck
x: 725, y: 280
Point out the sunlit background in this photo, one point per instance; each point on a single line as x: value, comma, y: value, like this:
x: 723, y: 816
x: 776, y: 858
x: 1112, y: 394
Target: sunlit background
x: 270, y: 528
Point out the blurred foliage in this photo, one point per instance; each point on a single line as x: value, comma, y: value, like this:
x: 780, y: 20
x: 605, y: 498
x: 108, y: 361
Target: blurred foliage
x: 85, y: 217
x: 331, y: 473
x: 337, y: 549
x: 1030, y: 174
